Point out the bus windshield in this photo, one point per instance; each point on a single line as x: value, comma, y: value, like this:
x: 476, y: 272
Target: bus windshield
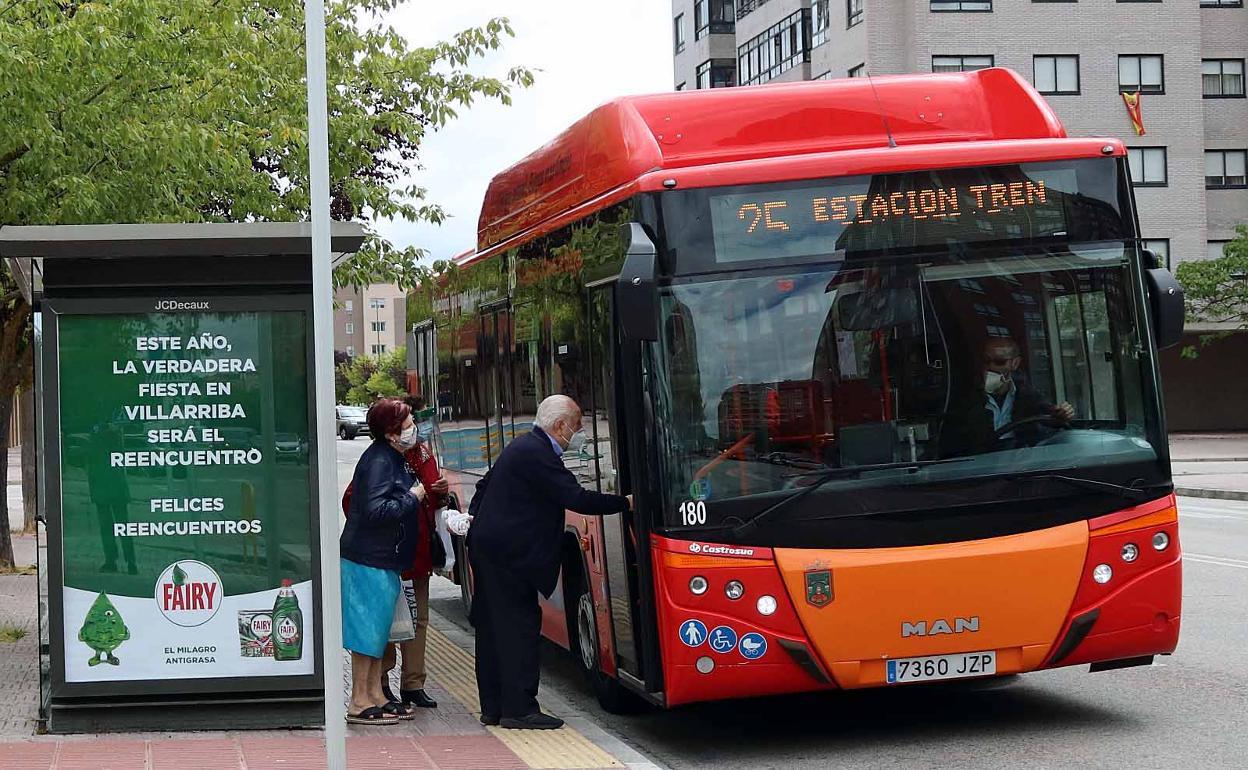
x: 1009, y: 361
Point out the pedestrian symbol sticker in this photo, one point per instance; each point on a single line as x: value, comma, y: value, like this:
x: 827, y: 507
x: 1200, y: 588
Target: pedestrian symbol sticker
x: 753, y: 646
x: 723, y: 639
x: 693, y: 633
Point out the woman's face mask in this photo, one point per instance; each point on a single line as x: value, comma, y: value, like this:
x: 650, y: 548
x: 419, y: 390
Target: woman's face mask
x: 408, y: 438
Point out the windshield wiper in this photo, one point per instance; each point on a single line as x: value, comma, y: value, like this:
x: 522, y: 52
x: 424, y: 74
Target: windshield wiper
x: 1133, y: 493
x: 823, y: 477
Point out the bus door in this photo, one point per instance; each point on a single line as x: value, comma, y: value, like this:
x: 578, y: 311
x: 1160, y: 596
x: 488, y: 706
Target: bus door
x: 606, y: 442
x: 496, y: 355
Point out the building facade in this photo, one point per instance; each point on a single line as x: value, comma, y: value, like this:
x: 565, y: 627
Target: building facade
x: 370, y: 321
x: 1186, y: 59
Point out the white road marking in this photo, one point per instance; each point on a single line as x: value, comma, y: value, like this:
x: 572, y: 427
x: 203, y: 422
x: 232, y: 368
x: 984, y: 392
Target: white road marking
x: 1221, y: 561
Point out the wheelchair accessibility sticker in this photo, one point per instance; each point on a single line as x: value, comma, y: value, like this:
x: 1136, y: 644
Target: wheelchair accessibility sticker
x: 723, y: 639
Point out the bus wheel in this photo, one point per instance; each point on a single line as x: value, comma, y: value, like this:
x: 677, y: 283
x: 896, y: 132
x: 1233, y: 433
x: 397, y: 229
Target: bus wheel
x: 583, y: 639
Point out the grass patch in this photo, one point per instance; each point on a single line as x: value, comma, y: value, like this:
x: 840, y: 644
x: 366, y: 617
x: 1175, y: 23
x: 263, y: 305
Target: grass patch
x: 11, y: 633
x: 29, y: 569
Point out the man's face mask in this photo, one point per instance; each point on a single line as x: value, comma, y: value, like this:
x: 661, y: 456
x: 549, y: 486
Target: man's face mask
x: 996, y: 383
x: 576, y: 441
x: 424, y: 431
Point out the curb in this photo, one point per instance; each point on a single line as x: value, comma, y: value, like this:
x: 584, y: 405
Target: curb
x: 1212, y: 494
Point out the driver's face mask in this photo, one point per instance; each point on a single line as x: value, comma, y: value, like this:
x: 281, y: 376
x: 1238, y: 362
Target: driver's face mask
x: 996, y: 383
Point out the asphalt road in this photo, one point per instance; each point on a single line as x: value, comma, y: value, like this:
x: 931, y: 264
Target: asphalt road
x: 1186, y: 711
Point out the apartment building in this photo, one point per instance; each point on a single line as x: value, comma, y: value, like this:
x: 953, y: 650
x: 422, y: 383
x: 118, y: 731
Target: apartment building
x: 1186, y: 58
x: 369, y: 321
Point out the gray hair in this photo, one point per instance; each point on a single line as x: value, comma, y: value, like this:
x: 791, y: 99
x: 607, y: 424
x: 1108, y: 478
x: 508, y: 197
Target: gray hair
x: 554, y: 409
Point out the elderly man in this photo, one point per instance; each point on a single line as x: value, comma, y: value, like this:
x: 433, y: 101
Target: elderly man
x: 513, y: 546
x: 998, y: 401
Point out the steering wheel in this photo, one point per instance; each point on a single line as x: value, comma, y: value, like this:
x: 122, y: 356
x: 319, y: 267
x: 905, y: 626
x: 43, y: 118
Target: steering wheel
x: 1035, y: 418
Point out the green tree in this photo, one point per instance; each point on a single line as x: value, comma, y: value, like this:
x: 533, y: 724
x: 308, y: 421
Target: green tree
x: 195, y: 110
x: 372, y: 377
x: 1216, y: 290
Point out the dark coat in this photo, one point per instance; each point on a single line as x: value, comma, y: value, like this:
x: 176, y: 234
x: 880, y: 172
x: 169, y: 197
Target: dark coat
x: 968, y: 429
x: 383, y: 525
x: 518, y: 509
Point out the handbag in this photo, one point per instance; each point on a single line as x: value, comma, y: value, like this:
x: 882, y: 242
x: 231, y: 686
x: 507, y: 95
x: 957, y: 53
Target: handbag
x: 437, y: 550
x: 403, y: 621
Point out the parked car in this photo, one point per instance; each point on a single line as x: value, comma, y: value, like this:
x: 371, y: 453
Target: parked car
x: 351, y: 421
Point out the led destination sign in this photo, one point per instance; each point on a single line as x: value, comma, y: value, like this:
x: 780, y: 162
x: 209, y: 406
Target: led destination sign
x: 929, y: 208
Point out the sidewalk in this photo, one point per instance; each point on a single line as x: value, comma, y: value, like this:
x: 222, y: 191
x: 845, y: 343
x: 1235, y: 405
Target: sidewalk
x: 449, y: 737
x: 1211, y: 465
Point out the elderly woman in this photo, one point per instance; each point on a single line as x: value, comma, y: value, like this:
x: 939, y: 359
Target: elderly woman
x: 378, y: 541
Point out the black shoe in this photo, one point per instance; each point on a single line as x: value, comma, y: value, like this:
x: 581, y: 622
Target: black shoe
x: 418, y: 698
x: 534, y: 721
x: 385, y: 690
x: 489, y: 720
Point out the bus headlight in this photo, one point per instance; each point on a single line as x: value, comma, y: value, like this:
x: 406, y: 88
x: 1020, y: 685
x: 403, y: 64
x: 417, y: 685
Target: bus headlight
x: 1130, y: 552
x: 1102, y: 573
x: 734, y: 590
x: 1161, y: 541
x: 766, y: 605
x: 697, y: 585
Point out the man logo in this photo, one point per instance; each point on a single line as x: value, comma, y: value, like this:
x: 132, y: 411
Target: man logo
x: 940, y: 626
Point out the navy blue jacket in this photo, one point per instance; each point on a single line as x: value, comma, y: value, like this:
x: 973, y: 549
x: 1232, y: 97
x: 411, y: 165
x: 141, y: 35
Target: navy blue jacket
x: 519, y: 506
x: 383, y: 526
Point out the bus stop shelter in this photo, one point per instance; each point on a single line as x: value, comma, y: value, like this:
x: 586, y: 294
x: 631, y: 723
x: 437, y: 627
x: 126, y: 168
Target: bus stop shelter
x: 175, y: 416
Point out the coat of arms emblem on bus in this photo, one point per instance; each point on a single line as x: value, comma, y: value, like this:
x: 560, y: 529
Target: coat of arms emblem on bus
x: 818, y: 587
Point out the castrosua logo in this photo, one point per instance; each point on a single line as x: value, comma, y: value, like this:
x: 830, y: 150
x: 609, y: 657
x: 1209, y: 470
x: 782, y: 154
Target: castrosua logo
x: 189, y: 593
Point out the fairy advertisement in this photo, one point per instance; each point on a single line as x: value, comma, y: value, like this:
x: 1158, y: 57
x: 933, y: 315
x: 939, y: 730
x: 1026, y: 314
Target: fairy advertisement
x: 185, y: 495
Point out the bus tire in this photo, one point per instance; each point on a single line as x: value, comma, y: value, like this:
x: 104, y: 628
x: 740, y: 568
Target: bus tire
x: 583, y: 641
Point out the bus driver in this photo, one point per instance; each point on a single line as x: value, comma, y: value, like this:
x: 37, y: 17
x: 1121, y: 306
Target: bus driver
x: 1000, y: 399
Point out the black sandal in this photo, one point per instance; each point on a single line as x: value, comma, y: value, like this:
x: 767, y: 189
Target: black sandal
x: 373, y: 715
x: 394, y: 708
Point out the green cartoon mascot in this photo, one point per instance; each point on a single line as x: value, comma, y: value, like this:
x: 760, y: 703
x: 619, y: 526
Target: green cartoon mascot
x: 103, y: 631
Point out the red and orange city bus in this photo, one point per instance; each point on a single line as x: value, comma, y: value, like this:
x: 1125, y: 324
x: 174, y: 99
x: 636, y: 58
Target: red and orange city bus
x: 788, y: 311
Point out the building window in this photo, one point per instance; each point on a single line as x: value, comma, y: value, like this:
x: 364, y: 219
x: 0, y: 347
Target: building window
x: 377, y: 304
x: 350, y: 351
x: 379, y: 349
x: 1160, y: 247
x: 1143, y: 73
x: 1222, y: 78
x: 859, y: 71
x: 715, y: 73
x: 961, y: 5
x: 781, y: 47
x: 819, y: 23
x: 853, y: 12
x: 712, y: 17
x: 1215, y: 249
x: 1148, y: 166
x: 379, y: 326
x: 678, y: 33
x: 349, y: 305
x: 1221, y: 3
x: 1056, y: 74
x: 349, y: 328
x: 960, y: 63
x: 1224, y: 169
x: 825, y: 76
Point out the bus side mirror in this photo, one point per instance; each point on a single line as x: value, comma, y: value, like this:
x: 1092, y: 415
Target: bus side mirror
x: 636, y: 293
x: 1165, y: 298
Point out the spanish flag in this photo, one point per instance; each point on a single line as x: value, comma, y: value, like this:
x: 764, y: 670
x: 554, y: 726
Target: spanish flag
x: 1133, y: 111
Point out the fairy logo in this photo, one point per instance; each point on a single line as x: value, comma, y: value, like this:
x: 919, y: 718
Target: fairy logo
x: 189, y: 593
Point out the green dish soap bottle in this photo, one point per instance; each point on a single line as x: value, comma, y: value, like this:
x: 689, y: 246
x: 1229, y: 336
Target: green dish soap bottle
x: 287, y: 625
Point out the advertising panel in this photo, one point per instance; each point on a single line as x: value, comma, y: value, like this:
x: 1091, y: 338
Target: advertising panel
x: 185, y: 495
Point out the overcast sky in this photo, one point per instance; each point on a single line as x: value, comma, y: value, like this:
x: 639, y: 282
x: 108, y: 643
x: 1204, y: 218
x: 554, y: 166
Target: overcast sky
x: 586, y: 51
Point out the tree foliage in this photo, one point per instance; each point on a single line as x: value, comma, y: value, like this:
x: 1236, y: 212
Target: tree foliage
x: 369, y: 378
x: 1216, y: 290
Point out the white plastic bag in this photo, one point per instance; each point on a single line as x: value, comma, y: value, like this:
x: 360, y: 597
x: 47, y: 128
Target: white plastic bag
x: 458, y: 522
x: 403, y: 621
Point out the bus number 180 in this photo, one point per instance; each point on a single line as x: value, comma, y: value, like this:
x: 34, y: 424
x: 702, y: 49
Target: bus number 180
x: 692, y: 512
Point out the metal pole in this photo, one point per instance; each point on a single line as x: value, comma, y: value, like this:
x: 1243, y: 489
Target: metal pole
x: 322, y: 330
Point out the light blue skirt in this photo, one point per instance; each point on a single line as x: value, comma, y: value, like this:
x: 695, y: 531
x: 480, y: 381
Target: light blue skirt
x: 368, y: 598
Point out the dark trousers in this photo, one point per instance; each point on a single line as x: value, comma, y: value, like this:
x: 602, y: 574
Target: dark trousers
x: 508, y: 622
